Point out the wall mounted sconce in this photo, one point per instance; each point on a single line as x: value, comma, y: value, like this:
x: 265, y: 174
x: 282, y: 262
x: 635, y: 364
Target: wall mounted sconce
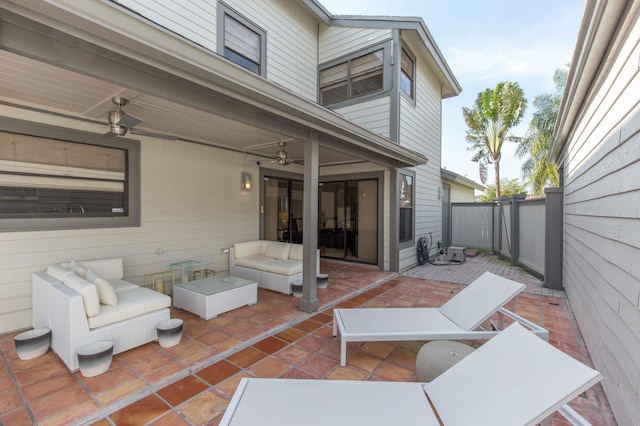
x: 245, y: 181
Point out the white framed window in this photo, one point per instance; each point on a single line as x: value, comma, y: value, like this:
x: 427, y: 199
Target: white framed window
x: 49, y: 176
x: 358, y: 76
x: 407, y: 74
x: 241, y: 41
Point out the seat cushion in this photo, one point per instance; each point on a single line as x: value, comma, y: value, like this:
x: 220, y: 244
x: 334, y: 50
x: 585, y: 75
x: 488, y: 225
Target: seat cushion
x: 131, y: 303
x: 252, y: 262
x: 282, y: 267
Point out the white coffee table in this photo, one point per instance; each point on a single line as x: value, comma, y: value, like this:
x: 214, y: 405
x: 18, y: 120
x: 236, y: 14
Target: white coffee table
x: 212, y: 296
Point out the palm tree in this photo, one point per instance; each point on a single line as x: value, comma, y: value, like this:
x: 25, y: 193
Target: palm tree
x: 494, y: 113
x: 537, y: 170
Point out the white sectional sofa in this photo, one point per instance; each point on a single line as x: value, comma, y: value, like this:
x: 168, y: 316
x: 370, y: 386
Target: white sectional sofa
x: 88, y: 301
x: 273, y: 265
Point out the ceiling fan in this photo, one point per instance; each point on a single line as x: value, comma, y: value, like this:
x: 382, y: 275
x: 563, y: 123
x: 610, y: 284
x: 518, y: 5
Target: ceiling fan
x: 120, y: 122
x: 281, y: 156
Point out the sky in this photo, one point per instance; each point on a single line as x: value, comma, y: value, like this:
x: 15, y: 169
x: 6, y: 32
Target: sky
x: 485, y: 42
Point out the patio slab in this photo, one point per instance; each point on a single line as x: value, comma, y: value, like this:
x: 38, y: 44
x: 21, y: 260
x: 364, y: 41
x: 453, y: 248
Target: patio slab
x: 193, y: 382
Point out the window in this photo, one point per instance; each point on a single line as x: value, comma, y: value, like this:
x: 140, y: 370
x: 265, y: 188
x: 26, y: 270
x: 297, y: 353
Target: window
x: 241, y: 41
x: 356, y: 77
x: 407, y: 74
x: 46, y: 180
x: 406, y: 208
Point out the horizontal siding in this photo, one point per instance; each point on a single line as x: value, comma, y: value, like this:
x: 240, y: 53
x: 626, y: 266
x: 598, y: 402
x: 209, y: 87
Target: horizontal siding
x: 373, y: 115
x: 602, y: 230
x: 420, y: 131
x: 190, y: 210
x: 291, y: 33
x: 336, y: 42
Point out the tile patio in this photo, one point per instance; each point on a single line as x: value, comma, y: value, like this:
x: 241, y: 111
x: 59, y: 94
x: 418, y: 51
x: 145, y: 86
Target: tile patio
x: 191, y: 384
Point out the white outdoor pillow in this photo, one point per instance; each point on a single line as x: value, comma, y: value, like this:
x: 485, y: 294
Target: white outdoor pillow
x: 58, y: 272
x: 295, y: 252
x: 89, y: 293
x: 278, y: 251
x: 106, y: 292
x: 78, y: 268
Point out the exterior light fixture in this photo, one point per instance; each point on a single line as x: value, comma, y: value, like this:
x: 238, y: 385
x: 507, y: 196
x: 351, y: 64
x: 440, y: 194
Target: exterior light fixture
x: 245, y: 181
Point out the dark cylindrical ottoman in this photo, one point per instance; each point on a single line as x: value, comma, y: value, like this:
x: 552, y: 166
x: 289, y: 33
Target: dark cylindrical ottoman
x: 169, y: 332
x: 322, y: 280
x: 33, y: 343
x: 296, y: 289
x: 95, y: 358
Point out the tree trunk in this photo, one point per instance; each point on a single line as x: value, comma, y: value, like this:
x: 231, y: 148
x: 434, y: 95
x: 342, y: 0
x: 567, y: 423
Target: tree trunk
x: 496, y: 166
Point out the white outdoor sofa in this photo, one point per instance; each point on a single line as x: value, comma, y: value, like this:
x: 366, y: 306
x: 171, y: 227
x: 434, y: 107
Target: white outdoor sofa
x: 74, y: 308
x: 273, y: 265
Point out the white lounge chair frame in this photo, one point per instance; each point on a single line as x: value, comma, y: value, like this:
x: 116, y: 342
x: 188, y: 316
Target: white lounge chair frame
x: 513, y: 379
x: 460, y: 318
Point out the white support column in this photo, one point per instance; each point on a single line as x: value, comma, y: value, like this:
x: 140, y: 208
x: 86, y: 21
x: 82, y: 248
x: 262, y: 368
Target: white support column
x: 309, y: 301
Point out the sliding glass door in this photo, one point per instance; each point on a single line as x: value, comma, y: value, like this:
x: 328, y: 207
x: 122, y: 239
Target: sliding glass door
x: 283, y: 210
x: 348, y: 216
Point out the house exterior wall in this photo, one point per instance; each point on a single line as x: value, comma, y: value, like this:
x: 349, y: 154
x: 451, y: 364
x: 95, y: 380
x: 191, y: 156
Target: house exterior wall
x: 374, y: 115
x: 460, y: 193
x: 291, y: 34
x: 336, y: 42
x: 421, y: 130
x: 602, y: 226
x: 189, y: 210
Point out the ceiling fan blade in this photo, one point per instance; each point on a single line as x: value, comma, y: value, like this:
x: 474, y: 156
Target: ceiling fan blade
x: 153, y: 135
x: 129, y: 121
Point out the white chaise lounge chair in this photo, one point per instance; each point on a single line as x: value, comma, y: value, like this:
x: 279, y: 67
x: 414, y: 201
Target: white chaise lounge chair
x: 513, y: 379
x: 458, y: 319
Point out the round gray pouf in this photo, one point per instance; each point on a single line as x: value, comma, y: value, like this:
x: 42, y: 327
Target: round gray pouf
x: 322, y: 280
x: 434, y: 358
x: 296, y: 289
x: 33, y: 343
x: 95, y: 358
x: 169, y: 332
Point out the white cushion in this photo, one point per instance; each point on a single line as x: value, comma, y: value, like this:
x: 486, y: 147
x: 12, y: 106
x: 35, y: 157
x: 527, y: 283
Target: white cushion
x: 131, y: 303
x: 122, y: 285
x: 106, y: 291
x: 252, y: 261
x: 78, y: 268
x: 110, y: 269
x: 295, y: 251
x: 248, y: 248
x: 89, y: 293
x: 282, y: 267
x: 58, y: 272
x: 278, y: 251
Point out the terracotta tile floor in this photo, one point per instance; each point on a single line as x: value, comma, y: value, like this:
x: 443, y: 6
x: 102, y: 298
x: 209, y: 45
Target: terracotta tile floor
x: 192, y: 383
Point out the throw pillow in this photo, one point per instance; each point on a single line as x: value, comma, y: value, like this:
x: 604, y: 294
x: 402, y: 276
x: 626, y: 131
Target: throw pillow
x: 78, y: 268
x: 106, y: 292
x: 89, y: 293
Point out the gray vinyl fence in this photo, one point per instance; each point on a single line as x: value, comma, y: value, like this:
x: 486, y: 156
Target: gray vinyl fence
x: 528, y: 233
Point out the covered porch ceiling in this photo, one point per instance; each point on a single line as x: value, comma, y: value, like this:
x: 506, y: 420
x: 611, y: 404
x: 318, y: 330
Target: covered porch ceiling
x: 71, y: 66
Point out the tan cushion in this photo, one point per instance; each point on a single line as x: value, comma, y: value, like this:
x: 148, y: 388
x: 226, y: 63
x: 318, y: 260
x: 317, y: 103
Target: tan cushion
x: 89, y: 293
x: 131, y: 303
x: 58, y: 272
x: 278, y: 251
x: 295, y: 252
x: 248, y: 248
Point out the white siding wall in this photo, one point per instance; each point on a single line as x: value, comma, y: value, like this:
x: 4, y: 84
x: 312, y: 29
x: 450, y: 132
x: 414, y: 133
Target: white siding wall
x: 461, y: 193
x: 190, y: 210
x: 420, y: 130
x: 336, y: 42
x: 291, y: 33
x: 602, y: 230
x: 373, y: 115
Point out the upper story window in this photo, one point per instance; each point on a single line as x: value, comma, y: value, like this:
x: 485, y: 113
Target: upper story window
x: 241, y: 41
x: 356, y: 77
x: 407, y: 74
x: 46, y: 180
